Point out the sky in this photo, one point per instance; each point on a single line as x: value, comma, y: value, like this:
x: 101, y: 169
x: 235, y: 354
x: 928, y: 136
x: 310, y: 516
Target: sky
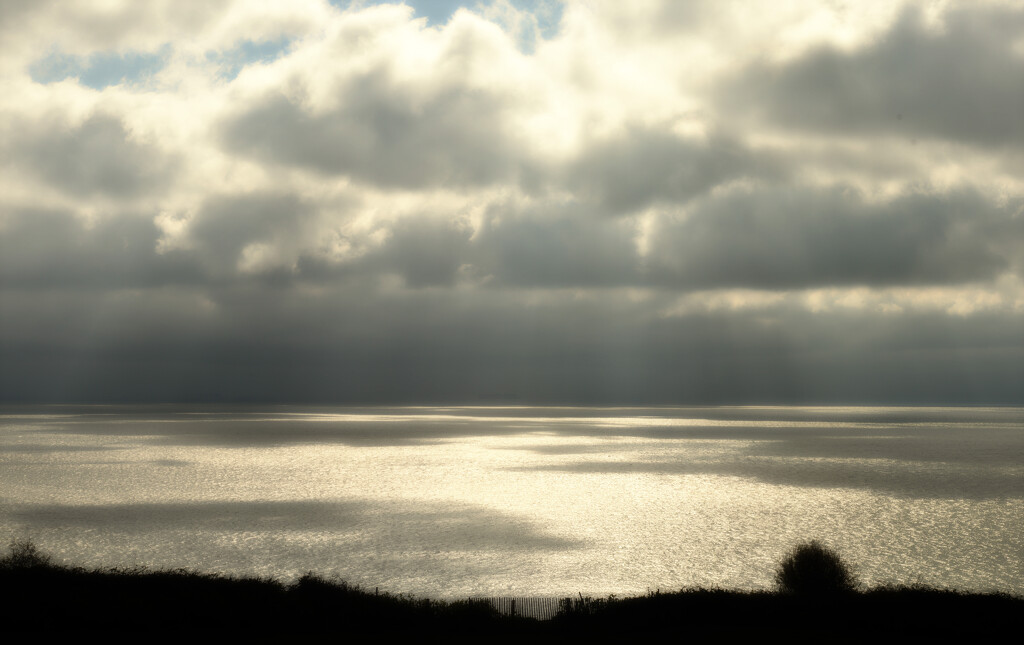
x: 579, y: 201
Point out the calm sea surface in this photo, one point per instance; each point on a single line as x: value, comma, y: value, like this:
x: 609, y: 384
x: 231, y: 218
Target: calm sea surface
x: 470, y: 501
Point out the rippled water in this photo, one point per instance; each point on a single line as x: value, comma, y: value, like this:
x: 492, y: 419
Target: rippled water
x: 454, y: 502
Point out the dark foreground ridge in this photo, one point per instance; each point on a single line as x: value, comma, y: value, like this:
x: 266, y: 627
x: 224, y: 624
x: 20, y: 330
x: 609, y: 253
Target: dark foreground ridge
x: 42, y: 596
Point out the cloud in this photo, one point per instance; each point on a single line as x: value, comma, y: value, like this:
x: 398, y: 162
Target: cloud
x: 709, y: 202
x: 628, y: 172
x: 555, y: 245
x: 95, y: 157
x: 785, y: 237
x: 250, y: 233
x: 254, y: 343
x: 392, y: 126
x: 423, y: 253
x: 952, y: 82
x: 381, y: 136
x: 52, y: 249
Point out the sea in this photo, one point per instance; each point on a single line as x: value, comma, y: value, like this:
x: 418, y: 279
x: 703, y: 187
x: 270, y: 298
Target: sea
x: 457, y: 502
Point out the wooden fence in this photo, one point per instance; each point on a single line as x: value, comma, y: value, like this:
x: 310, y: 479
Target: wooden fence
x: 539, y: 608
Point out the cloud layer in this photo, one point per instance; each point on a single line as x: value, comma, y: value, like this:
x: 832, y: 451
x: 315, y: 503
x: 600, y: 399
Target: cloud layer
x: 332, y: 202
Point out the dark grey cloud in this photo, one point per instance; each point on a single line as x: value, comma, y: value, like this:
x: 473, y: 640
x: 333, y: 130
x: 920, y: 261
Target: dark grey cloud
x: 56, y: 249
x: 384, y: 134
x: 423, y: 252
x: 556, y: 245
x: 641, y: 166
x: 785, y: 237
x: 549, y: 245
x: 226, y: 224
x: 257, y: 343
x: 763, y: 238
x: 97, y: 157
x: 53, y: 249
x: 766, y: 237
x: 964, y: 82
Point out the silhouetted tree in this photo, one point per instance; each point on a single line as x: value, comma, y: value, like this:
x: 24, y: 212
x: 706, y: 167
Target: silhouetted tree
x: 24, y: 555
x: 812, y: 568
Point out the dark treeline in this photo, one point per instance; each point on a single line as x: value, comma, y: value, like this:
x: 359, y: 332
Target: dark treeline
x: 44, y: 596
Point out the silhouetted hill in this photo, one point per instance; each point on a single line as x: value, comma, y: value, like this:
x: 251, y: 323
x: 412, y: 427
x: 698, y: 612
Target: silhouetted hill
x: 45, y: 597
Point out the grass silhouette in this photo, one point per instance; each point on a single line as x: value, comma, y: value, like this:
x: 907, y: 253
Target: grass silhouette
x: 45, y: 596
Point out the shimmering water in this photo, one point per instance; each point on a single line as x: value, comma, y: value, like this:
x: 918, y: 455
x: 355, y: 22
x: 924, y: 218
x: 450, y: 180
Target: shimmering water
x: 455, y: 502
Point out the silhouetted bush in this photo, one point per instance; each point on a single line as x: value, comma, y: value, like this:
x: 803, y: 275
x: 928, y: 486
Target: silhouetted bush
x: 813, y: 568
x: 24, y: 555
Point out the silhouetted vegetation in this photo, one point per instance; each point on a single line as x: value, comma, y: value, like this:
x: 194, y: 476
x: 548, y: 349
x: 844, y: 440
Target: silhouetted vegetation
x: 813, y: 568
x: 43, y: 596
x: 24, y: 555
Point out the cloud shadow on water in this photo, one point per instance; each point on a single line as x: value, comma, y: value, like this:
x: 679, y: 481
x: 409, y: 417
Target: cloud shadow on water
x: 42, y: 448
x: 914, y: 452
x: 901, y: 479
x: 404, y: 524
x: 919, y: 434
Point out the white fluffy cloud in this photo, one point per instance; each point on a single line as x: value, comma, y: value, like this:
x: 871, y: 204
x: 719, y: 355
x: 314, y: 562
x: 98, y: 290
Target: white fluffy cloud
x: 797, y: 186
